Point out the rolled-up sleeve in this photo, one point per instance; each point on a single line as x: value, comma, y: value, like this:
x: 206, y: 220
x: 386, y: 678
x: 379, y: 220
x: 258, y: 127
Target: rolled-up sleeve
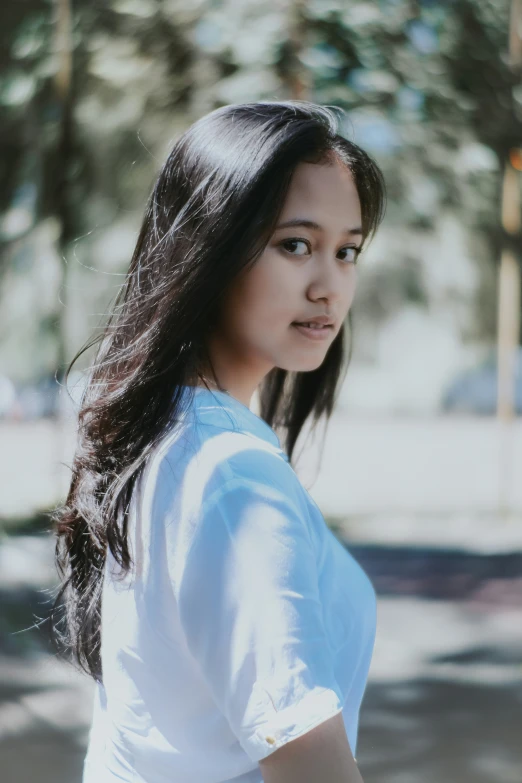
x: 250, y: 610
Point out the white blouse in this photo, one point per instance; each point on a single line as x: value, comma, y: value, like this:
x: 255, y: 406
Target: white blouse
x: 245, y: 622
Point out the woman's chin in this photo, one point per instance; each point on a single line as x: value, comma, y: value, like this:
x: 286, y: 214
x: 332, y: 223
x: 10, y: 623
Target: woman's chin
x: 306, y: 364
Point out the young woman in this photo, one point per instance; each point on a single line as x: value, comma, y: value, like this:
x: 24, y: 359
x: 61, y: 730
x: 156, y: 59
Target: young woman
x: 228, y: 631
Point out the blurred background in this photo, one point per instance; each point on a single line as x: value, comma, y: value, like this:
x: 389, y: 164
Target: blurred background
x: 420, y: 470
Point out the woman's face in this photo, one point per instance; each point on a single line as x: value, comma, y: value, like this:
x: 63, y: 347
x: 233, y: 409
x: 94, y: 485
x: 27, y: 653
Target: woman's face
x: 307, y: 269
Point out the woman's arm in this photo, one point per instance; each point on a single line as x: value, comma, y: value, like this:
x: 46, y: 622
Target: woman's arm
x: 321, y: 755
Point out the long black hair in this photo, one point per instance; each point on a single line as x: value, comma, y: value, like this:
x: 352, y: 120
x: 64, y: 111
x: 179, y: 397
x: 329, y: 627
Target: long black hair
x: 212, y: 210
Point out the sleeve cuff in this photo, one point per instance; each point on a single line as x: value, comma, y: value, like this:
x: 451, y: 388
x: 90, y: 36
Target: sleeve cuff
x: 290, y: 723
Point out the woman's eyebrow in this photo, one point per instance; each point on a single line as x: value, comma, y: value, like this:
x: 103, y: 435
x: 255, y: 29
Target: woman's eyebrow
x: 303, y: 223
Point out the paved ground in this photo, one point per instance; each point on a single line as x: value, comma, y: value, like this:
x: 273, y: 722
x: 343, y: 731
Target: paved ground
x: 444, y: 700
x: 435, y: 730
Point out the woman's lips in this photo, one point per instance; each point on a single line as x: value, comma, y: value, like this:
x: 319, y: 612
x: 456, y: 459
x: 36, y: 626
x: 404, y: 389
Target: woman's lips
x: 313, y: 333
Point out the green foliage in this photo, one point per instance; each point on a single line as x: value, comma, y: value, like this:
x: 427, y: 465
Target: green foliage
x: 427, y: 86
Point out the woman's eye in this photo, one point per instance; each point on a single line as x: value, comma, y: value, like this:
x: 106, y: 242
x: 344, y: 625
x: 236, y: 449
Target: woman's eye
x: 299, y: 245
x: 352, y: 254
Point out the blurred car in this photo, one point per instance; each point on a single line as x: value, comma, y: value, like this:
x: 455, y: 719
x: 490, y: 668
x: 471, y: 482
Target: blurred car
x: 475, y: 391
x: 9, y: 405
x: 39, y: 398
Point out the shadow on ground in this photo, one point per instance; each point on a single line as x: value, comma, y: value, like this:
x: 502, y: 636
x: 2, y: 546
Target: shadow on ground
x: 436, y: 730
x: 448, y: 574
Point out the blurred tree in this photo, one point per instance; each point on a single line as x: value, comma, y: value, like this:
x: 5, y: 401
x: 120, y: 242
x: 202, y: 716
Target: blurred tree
x: 427, y: 85
x: 61, y: 198
x: 509, y: 295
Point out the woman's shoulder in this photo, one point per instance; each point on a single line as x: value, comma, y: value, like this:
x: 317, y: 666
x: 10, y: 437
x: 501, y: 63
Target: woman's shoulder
x: 195, y: 460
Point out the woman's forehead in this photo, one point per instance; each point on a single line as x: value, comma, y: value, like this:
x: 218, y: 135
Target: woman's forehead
x: 322, y: 193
